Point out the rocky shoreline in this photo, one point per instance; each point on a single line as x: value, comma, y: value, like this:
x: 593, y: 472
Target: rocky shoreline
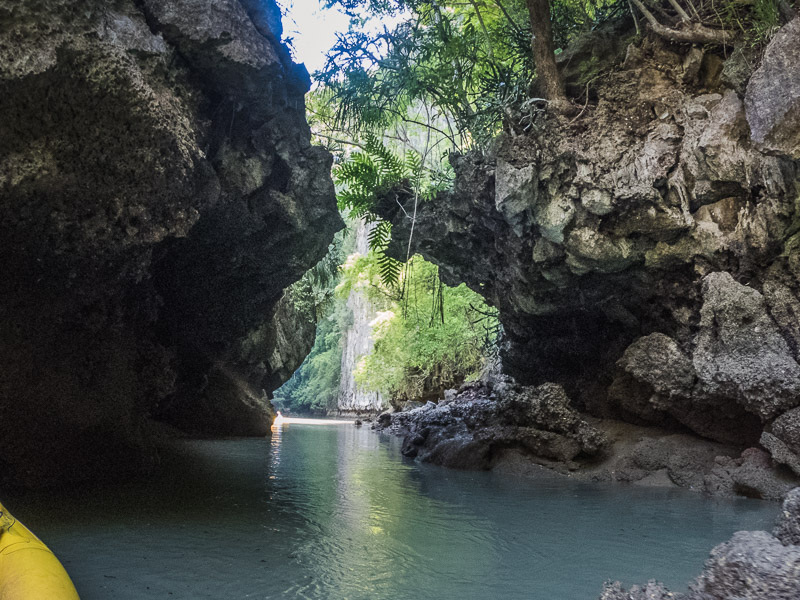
x: 528, y: 431
x: 752, y: 565
x: 507, y: 427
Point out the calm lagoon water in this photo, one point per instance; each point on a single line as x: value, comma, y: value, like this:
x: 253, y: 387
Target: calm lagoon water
x: 336, y: 512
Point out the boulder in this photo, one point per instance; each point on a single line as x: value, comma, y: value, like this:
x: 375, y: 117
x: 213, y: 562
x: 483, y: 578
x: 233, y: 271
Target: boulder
x: 787, y: 529
x: 666, y: 372
x: 469, y: 431
x: 655, y: 382
x: 752, y: 475
x: 652, y: 590
x: 782, y: 439
x: 740, y: 352
x: 772, y: 99
x: 752, y: 565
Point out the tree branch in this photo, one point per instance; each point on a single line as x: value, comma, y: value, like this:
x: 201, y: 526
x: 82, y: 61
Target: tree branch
x: 340, y: 141
x: 679, y: 9
x: 508, y: 16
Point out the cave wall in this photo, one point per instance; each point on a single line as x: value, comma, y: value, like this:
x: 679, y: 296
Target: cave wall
x: 158, y: 192
x: 644, y: 251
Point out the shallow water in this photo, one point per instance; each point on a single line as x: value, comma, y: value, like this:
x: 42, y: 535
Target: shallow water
x: 336, y: 512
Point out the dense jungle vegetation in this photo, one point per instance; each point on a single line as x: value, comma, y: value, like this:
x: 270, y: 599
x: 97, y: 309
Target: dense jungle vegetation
x: 428, y: 336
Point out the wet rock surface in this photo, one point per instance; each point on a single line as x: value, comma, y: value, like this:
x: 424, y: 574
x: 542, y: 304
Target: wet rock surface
x: 515, y: 429
x: 519, y: 430
x: 158, y: 193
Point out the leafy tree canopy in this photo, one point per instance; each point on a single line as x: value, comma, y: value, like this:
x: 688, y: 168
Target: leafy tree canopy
x: 471, y: 63
x: 468, y: 61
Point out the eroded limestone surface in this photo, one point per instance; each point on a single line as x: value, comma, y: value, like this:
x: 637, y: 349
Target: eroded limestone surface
x: 470, y: 429
x: 158, y: 191
x: 645, y: 255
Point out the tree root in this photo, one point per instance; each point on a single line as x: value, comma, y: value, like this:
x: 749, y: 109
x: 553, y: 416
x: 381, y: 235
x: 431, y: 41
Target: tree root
x: 689, y: 32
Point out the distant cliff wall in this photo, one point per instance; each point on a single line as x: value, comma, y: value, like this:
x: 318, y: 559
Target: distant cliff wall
x: 357, y: 343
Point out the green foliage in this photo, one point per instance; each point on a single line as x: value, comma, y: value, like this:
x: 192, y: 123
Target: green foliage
x: 431, y: 338
x: 314, y: 387
x: 573, y: 17
x: 434, y: 338
x: 442, y: 57
x: 757, y: 20
x: 365, y: 177
x: 389, y: 268
x: 469, y: 61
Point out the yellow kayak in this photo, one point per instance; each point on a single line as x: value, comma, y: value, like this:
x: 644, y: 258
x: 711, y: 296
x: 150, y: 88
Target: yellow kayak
x: 28, y: 569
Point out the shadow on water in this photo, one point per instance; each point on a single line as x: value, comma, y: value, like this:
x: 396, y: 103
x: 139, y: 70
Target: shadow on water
x: 336, y: 512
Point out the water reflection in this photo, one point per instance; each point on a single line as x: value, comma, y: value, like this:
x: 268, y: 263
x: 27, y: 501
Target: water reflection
x: 275, y: 448
x: 335, y: 512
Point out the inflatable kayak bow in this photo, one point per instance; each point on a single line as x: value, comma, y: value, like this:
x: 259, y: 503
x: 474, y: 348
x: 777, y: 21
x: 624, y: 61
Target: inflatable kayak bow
x: 28, y: 569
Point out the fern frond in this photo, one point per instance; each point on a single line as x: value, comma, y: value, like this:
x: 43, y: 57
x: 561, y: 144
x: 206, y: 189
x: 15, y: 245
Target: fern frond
x: 413, y: 162
x: 380, y: 236
x: 390, y: 270
x: 389, y: 165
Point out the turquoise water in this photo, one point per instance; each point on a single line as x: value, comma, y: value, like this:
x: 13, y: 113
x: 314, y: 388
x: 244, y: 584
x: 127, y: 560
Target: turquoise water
x: 336, y: 512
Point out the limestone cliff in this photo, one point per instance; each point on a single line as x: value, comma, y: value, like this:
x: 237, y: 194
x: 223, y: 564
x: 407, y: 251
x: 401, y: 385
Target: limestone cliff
x: 644, y: 253
x: 158, y: 191
x: 357, y: 343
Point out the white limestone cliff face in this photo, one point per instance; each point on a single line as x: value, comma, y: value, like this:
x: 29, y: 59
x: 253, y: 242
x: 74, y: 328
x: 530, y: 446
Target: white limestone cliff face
x: 357, y: 343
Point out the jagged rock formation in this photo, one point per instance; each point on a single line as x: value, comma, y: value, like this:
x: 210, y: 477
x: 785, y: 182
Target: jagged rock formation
x: 357, y: 343
x: 752, y: 565
x: 773, y: 95
x: 741, y: 373
x: 645, y: 254
x: 159, y: 192
x: 472, y: 429
x: 234, y: 396
x: 498, y: 424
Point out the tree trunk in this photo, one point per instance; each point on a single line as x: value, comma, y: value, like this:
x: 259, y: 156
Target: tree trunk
x: 544, y: 56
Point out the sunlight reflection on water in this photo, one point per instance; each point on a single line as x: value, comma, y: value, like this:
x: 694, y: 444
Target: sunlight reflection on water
x: 335, y: 512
